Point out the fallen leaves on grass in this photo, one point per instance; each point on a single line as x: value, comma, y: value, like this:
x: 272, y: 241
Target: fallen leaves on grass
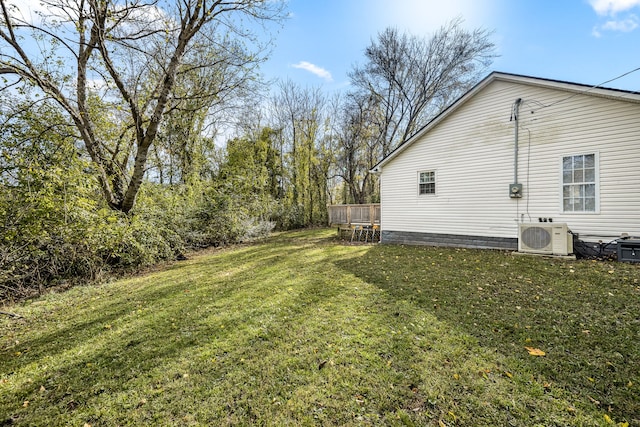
x: 535, y: 351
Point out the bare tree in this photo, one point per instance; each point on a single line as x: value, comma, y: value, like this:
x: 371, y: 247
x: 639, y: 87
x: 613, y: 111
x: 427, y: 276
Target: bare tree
x: 358, y: 146
x: 135, y: 52
x: 412, y: 79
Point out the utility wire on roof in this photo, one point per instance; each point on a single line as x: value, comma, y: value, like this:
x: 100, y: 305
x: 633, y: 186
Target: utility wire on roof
x: 590, y: 89
x: 620, y: 76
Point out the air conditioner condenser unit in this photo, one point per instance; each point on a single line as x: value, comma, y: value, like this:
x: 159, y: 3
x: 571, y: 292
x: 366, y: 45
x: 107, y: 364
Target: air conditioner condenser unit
x: 552, y: 238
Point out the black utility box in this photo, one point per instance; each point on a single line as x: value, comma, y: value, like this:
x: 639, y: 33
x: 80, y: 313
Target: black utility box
x: 629, y: 250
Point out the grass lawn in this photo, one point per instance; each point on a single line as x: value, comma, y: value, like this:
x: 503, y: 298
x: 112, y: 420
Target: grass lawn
x: 306, y: 330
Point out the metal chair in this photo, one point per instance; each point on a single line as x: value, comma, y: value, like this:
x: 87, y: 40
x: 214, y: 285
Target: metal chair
x: 356, y: 229
x: 375, y: 230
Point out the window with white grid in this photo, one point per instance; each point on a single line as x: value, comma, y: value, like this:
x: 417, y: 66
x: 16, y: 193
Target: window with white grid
x: 579, y: 185
x: 427, y: 182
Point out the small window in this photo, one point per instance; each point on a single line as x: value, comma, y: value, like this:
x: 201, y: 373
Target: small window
x: 427, y: 183
x: 579, y: 183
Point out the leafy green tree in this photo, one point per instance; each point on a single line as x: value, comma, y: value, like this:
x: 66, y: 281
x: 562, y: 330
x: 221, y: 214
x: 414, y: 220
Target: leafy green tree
x: 131, y: 56
x: 301, y: 115
x: 47, y: 204
x: 55, y: 227
x: 252, y: 172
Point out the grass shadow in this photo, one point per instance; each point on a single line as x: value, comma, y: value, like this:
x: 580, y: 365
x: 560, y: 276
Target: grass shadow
x: 582, y: 314
x: 303, y: 330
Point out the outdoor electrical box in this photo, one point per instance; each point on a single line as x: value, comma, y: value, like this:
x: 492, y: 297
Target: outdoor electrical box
x: 629, y: 250
x: 515, y: 191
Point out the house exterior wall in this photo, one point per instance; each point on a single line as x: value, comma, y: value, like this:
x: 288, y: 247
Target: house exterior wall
x: 471, y: 151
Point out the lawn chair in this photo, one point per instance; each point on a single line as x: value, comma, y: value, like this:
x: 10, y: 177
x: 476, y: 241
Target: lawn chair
x: 368, y: 233
x: 356, y: 229
x: 375, y: 230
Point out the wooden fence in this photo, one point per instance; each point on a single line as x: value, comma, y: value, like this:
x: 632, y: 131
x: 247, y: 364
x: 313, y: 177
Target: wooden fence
x: 347, y: 215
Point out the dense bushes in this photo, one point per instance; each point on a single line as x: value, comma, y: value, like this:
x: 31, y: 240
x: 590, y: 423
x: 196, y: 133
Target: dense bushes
x: 56, y: 228
x: 58, y: 235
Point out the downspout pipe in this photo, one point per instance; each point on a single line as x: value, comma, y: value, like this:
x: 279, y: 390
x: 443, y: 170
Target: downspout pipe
x: 516, y: 113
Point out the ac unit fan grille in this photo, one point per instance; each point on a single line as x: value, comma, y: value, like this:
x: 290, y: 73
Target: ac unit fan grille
x: 536, y: 237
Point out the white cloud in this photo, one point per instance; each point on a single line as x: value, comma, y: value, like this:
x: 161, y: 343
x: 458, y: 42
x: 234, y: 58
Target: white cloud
x: 314, y: 69
x: 611, y: 7
x: 27, y: 10
x: 626, y: 25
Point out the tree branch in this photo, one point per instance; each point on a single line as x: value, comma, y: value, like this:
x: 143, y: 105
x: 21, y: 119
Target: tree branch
x: 6, y: 313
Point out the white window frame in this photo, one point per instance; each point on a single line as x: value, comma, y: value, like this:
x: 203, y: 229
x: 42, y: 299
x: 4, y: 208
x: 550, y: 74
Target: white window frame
x: 596, y: 183
x: 433, y: 172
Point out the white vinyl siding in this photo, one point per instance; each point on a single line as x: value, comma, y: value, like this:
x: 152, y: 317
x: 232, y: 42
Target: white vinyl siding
x: 472, y: 149
x: 427, y: 182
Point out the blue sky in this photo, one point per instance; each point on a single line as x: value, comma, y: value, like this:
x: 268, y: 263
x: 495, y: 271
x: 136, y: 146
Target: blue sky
x: 582, y: 41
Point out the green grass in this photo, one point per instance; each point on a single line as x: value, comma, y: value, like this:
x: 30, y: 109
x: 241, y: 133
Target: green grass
x: 306, y: 330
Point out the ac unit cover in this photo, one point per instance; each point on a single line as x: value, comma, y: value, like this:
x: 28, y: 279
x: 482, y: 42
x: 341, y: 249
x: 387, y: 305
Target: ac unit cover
x: 536, y: 238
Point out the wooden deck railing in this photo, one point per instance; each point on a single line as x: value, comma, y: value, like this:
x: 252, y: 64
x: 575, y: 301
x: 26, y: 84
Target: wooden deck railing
x: 354, y: 214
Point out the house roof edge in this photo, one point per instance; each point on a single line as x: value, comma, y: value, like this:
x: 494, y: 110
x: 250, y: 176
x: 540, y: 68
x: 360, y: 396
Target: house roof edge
x: 444, y: 113
x: 597, y: 90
